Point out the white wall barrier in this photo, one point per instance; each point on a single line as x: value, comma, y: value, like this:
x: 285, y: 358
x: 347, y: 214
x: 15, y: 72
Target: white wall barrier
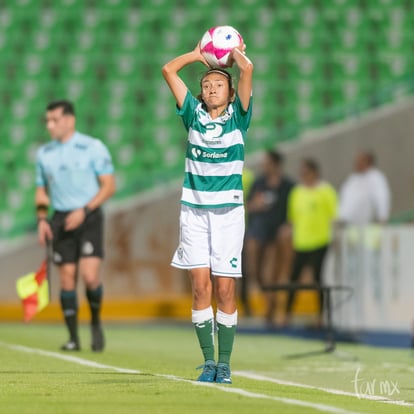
x: 378, y: 264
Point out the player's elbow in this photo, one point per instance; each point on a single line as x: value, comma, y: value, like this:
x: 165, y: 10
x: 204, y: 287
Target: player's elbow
x: 109, y: 186
x: 248, y: 68
x: 166, y: 70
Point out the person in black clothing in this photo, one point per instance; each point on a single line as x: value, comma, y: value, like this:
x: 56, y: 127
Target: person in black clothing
x: 74, y: 176
x: 267, y: 233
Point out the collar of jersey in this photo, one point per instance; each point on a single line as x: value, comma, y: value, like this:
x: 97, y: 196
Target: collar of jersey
x: 224, y: 116
x: 70, y: 141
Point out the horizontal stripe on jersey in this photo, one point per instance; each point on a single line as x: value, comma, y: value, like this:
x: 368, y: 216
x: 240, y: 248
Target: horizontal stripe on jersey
x: 199, y: 168
x: 196, y: 198
x: 222, y: 141
x: 213, y: 183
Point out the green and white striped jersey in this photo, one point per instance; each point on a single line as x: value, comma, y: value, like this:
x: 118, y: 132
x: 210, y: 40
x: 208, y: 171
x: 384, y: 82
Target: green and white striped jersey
x: 215, y: 154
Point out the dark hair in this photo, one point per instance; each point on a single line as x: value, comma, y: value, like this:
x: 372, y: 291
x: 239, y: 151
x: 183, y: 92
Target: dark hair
x: 67, y: 107
x: 311, y: 165
x: 221, y: 72
x: 370, y: 157
x: 275, y: 156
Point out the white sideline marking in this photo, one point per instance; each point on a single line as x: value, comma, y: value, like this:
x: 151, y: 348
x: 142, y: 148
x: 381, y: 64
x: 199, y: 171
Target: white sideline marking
x: 259, y: 377
x: 224, y: 388
x: 69, y: 358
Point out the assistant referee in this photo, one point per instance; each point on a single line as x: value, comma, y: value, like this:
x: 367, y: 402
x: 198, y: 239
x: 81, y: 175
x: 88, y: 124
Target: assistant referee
x: 74, y: 176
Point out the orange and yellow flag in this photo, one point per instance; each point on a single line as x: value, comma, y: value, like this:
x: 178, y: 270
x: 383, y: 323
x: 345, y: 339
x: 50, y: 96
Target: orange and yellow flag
x: 33, y: 290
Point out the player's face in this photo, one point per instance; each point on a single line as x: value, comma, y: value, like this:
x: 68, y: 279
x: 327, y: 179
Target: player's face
x: 270, y: 167
x: 307, y: 176
x: 59, y: 125
x: 215, y: 90
x: 361, y: 163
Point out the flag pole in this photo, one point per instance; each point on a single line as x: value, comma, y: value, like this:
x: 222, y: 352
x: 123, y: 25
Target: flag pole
x: 49, y: 266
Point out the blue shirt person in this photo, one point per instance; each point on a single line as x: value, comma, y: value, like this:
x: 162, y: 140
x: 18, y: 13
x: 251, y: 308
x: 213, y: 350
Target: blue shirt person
x: 74, y: 175
x: 71, y: 170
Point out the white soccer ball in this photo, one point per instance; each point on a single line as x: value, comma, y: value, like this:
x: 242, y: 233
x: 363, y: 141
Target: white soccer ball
x: 217, y: 43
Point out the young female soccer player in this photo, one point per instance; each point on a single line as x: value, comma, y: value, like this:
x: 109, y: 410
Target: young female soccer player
x: 212, y: 212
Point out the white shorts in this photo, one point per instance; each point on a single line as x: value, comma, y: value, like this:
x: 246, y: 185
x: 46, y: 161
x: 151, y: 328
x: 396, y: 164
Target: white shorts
x: 211, y: 238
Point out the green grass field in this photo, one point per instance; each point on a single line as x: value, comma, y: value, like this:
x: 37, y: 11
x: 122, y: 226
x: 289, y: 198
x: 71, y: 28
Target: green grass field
x: 150, y: 368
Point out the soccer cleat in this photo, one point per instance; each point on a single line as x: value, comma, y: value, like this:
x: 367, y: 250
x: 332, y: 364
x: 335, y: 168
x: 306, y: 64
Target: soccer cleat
x: 209, y: 372
x: 223, y: 374
x: 98, y: 340
x: 71, y: 345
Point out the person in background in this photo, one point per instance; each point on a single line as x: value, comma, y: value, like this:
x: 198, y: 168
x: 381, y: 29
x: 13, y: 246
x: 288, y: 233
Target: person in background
x: 267, y: 238
x: 74, y: 176
x: 365, y: 196
x: 312, y: 209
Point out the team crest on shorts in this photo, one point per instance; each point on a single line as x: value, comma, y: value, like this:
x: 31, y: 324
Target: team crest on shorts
x: 87, y: 248
x: 57, y: 258
x: 180, y: 253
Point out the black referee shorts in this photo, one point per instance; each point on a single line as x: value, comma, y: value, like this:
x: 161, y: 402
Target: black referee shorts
x: 85, y: 241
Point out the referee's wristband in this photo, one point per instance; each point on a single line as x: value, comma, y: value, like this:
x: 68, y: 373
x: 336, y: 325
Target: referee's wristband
x: 44, y: 208
x: 87, y: 210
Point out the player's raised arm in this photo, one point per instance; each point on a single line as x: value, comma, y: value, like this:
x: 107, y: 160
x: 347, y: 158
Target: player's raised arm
x: 170, y: 72
x: 244, y: 87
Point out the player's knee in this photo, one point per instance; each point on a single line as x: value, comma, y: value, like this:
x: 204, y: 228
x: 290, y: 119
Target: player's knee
x: 201, y: 291
x: 68, y: 284
x: 67, y: 277
x: 91, y: 280
x: 225, y: 293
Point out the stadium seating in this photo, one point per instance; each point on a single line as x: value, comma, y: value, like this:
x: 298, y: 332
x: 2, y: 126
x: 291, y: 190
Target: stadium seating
x: 316, y: 61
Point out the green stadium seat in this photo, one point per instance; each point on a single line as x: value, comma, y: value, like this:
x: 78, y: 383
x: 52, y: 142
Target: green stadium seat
x: 314, y: 63
x: 70, y: 6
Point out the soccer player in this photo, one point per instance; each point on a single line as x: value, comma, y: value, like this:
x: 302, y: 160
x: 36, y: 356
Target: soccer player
x: 212, y: 212
x: 74, y: 175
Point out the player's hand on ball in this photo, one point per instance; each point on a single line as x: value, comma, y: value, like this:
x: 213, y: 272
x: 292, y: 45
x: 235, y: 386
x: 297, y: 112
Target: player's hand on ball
x: 200, y: 56
x: 241, y: 48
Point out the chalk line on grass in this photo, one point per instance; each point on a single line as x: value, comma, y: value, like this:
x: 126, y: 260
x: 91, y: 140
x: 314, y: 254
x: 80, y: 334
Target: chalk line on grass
x: 224, y: 388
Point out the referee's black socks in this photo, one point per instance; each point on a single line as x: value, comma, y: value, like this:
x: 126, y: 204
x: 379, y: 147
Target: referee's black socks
x: 69, y: 305
x: 95, y: 299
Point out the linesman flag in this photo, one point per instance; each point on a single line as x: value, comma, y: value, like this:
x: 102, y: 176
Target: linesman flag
x: 33, y: 290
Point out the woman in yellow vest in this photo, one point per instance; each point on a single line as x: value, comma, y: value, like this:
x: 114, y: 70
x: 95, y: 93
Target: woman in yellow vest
x: 312, y: 208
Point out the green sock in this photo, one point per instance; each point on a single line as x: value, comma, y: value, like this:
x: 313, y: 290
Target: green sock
x: 205, y: 334
x: 225, y: 342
